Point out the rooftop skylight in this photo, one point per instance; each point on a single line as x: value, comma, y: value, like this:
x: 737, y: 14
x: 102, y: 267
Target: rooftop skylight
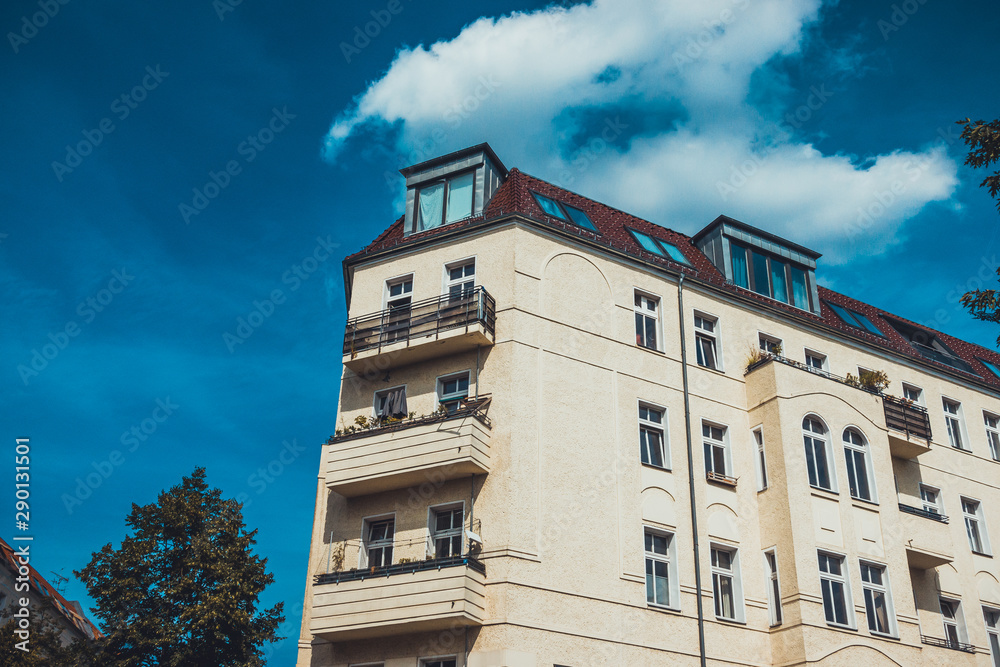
x: 855, y: 319
x: 562, y: 211
x: 929, y: 345
x: 659, y: 247
x: 990, y: 366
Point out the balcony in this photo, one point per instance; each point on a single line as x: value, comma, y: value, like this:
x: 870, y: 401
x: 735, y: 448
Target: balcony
x: 909, y: 427
x: 927, y: 537
x: 407, y: 453
x: 719, y: 478
x: 427, y: 595
x: 947, y: 643
x: 440, y: 326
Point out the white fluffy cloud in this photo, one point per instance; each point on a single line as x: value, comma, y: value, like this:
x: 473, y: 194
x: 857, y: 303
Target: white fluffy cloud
x: 560, y: 92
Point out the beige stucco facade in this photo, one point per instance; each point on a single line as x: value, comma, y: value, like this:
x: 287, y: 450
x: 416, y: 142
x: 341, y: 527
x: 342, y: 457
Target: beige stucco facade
x: 551, y: 481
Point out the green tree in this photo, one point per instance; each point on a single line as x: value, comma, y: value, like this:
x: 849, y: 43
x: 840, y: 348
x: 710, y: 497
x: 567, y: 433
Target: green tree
x: 182, y: 589
x: 45, y: 648
x: 983, y: 140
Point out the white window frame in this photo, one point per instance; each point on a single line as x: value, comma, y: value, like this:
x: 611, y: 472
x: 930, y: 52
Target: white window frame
x: 961, y: 631
x: 651, y: 425
x: 424, y: 662
x: 955, y: 421
x: 842, y: 578
x: 713, y: 336
x: 760, y: 456
x: 453, y: 397
x: 936, y: 506
x: 734, y: 573
x: 914, y: 389
x: 886, y: 590
x: 831, y: 466
x: 433, y: 536
x: 365, y: 544
x: 640, y: 310
x: 723, y: 444
x: 992, y: 633
x: 767, y: 342
x: 378, y: 395
x: 824, y: 366
x: 449, y: 282
x: 773, y: 586
x: 979, y: 518
x: 670, y: 558
x: 992, y: 433
x: 387, y: 299
x: 864, y: 450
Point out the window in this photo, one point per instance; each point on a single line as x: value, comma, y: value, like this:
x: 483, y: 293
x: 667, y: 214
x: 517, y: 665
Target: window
x: 836, y: 590
x: 913, y: 393
x: 769, y: 276
x: 931, y: 499
x: 716, y: 450
x: 452, y: 389
x: 398, y: 296
x: 725, y: 584
x: 564, y: 212
x: 993, y: 434
x: 814, y: 435
x: 651, y: 436
x: 878, y: 602
x: 705, y: 333
x: 647, y: 321
x: 741, y: 276
x: 975, y: 526
x: 445, y: 201
x: 953, y: 419
x: 391, y: 403
x: 855, y: 319
x: 661, y: 580
x: 992, y: 617
x: 758, y: 436
x: 460, y: 279
x: 449, y: 661
x: 954, y: 622
x: 659, y: 247
x: 773, y: 589
x: 769, y: 343
x: 816, y: 360
x: 990, y: 366
x: 447, y: 531
x: 378, y: 536
x: 859, y: 472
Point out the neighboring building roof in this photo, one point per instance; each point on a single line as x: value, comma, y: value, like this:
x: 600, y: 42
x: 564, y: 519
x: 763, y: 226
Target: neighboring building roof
x: 514, y: 197
x: 71, y: 610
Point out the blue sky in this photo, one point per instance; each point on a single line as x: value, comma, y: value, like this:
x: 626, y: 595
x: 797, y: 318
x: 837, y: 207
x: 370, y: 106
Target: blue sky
x: 171, y: 169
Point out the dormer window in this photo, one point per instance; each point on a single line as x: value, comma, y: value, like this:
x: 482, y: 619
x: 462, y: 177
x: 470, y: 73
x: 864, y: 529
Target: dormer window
x: 445, y: 201
x: 928, y: 345
x: 565, y: 212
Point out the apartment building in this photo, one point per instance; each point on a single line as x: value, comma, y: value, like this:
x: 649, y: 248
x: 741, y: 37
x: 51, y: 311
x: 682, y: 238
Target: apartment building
x: 568, y: 436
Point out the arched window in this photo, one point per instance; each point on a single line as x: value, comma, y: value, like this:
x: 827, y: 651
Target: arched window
x: 859, y: 468
x: 817, y: 442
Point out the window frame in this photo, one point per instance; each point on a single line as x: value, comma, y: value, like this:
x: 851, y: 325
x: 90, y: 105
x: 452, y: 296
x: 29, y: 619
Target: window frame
x: 992, y: 433
x: 912, y: 388
x: 992, y: 633
x: 885, y: 589
x: 432, y: 533
x: 958, y: 620
x: 723, y: 444
x: 843, y: 578
x: 828, y: 453
x: 713, y: 337
x: 773, y: 585
x: 670, y: 558
x: 366, y: 523
x: 768, y: 343
x: 563, y: 212
x: 955, y: 420
x: 865, y: 451
x: 937, y: 505
x: 735, y: 574
x: 659, y: 247
x: 381, y: 393
x: 446, y: 180
x: 640, y: 311
x: 651, y: 425
x: 452, y: 398
x: 760, y: 457
x: 979, y: 517
x: 448, y: 282
x: 427, y: 661
x: 824, y: 366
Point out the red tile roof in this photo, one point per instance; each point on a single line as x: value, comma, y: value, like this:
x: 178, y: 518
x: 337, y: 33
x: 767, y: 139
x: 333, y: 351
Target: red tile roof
x: 514, y: 197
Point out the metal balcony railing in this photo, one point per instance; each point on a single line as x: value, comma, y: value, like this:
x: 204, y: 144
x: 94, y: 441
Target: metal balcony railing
x: 420, y: 319
x: 947, y: 643
x: 477, y: 407
x: 401, y: 568
x: 919, y: 511
x: 907, y: 416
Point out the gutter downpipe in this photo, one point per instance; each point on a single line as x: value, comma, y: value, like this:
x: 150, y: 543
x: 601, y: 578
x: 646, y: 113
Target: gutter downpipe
x: 690, y: 455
